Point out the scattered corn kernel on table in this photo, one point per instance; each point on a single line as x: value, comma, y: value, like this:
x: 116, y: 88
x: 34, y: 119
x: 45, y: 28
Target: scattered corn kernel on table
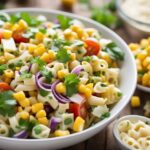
x: 103, y: 140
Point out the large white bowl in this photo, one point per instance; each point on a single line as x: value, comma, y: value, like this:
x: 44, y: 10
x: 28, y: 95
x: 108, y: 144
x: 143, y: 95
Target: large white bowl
x: 128, y: 80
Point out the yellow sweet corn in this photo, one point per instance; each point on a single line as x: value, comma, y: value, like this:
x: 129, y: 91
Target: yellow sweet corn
x: 133, y: 46
x: 58, y: 133
x: 45, y: 57
x: 22, y: 25
x: 51, y: 55
x: 106, y: 57
x: 60, y: 88
x: 37, y: 107
x: 31, y: 48
x: 146, y: 61
x: 39, y: 50
x: 78, y: 124
x: 148, y: 50
x: 43, y: 120
x: 39, y: 36
x: 62, y: 73
x: 142, y: 55
x: 73, y: 56
x: 90, y: 86
x: 24, y: 103
x: 145, y: 79
x: 41, y: 114
x: 144, y: 43
x: 84, y: 90
x: 9, y: 73
x: 7, y: 25
x: 19, y: 96
x: 2, y: 60
x: 17, y: 68
x: 24, y: 115
x: 7, y: 34
x: 20, y: 109
x: 135, y: 101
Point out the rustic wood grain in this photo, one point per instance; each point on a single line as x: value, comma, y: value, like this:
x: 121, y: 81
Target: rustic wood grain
x: 103, y: 140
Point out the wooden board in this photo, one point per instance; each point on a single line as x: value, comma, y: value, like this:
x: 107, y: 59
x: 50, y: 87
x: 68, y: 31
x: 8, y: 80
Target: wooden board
x: 103, y: 140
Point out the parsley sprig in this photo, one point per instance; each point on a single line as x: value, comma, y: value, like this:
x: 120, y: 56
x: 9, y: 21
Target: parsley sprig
x: 63, y: 56
x: 71, y: 83
x: 7, y: 103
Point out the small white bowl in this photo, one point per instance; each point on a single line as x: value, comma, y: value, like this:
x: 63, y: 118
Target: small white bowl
x: 143, y: 88
x: 134, y: 118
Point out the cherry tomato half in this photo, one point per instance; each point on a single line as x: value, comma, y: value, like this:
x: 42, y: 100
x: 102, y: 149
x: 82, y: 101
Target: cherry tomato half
x: 19, y: 38
x: 1, y: 34
x: 93, y: 47
x: 78, y: 110
x: 5, y: 86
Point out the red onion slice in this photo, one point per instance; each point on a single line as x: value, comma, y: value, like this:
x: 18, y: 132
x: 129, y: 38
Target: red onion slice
x: 40, y: 84
x: 77, y: 70
x: 30, y: 66
x: 21, y: 135
x: 53, y: 123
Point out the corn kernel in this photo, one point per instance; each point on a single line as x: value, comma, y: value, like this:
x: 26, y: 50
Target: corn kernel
x: 7, y: 25
x: 142, y: 55
x: 15, y: 27
x: 51, y: 55
x: 20, y: 109
x: 43, y: 120
x: 31, y: 48
x: 39, y: 50
x: 37, y: 107
x: 41, y: 114
x: 144, y: 43
x: 19, y: 96
x: 84, y: 90
x: 7, y: 34
x: 148, y: 50
x: 60, y: 88
x: 146, y: 61
x: 22, y: 25
x: 39, y: 36
x: 133, y: 46
x: 135, y: 101
x: 88, y: 92
x: 90, y: 86
x: 73, y: 56
x: 145, y: 79
x: 28, y: 108
x: 45, y: 57
x: 24, y: 103
x: 9, y: 73
x: 62, y: 73
x: 24, y: 115
x: 17, y: 68
x: 2, y: 60
x: 106, y: 57
x: 58, y: 133
x: 78, y: 124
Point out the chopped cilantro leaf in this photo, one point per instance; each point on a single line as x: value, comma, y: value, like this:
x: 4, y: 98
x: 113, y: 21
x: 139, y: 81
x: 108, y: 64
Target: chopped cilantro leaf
x: 105, y: 115
x: 114, y: 51
x: 87, y: 58
x: 38, y: 61
x: 68, y: 121
x: 63, y: 56
x: 47, y: 74
x: 64, y: 21
x: 37, y: 130
x: 3, y: 67
x: 43, y: 93
x: 71, y: 82
x: 26, y: 74
x: 42, y: 30
x: 7, y: 103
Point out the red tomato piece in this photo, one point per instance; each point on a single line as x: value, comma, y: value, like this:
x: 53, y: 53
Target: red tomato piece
x: 19, y: 38
x: 78, y: 110
x: 1, y: 34
x: 93, y: 47
x: 5, y: 86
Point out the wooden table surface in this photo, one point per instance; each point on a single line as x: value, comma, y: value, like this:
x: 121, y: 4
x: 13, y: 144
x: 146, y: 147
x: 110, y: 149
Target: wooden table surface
x: 103, y: 140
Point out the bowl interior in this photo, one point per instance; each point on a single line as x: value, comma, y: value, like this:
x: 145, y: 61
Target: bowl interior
x: 128, y: 75
x: 132, y: 118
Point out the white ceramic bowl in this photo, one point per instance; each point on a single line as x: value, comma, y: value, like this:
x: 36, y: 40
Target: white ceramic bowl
x: 143, y: 88
x: 128, y: 80
x: 116, y: 132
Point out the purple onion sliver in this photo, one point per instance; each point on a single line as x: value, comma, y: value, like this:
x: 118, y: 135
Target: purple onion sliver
x: 53, y: 123
x: 30, y: 66
x: 77, y: 70
x: 21, y: 135
x: 48, y: 86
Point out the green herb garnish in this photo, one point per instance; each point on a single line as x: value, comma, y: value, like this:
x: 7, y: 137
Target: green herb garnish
x: 3, y: 68
x: 64, y: 21
x: 43, y: 93
x: 63, y: 56
x: 25, y: 74
x: 71, y: 82
x: 47, y: 74
x: 86, y: 58
x: 105, y: 115
x: 38, y: 61
x: 7, y: 103
x: 37, y: 130
x: 114, y: 51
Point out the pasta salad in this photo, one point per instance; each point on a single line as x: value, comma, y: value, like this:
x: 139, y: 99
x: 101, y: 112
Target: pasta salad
x: 56, y: 77
x: 135, y: 134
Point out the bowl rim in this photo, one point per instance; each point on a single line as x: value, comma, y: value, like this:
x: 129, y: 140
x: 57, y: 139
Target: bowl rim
x: 115, y: 130
x: 118, y: 4
x: 126, y: 98
x: 143, y: 88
